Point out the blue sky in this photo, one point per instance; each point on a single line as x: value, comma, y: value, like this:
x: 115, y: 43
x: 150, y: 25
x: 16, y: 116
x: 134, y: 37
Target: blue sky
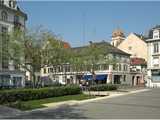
x: 68, y: 19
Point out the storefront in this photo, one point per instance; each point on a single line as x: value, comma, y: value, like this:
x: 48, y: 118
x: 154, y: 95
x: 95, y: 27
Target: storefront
x: 13, y: 79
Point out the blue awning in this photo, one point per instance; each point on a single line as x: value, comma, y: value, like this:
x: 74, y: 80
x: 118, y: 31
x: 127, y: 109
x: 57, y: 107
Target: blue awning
x: 98, y: 77
x: 101, y: 77
x: 87, y: 77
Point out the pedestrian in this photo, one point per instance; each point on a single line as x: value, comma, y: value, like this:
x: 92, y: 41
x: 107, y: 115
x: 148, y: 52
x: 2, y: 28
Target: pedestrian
x: 80, y: 85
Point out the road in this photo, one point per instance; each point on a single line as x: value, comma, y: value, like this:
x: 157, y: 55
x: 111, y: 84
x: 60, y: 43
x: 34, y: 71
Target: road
x: 143, y: 105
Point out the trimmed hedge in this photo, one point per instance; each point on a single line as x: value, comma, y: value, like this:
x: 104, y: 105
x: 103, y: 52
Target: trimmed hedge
x: 33, y: 94
x: 103, y: 87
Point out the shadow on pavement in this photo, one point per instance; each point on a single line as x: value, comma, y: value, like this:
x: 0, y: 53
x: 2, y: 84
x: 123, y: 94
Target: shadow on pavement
x: 64, y: 112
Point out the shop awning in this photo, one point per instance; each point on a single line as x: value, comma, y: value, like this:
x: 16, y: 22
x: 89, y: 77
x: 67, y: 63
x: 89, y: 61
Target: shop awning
x: 87, y: 77
x: 98, y: 77
x: 101, y: 77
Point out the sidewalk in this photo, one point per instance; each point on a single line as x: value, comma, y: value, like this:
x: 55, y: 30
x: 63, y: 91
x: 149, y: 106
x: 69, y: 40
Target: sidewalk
x: 119, y: 91
x: 108, y: 94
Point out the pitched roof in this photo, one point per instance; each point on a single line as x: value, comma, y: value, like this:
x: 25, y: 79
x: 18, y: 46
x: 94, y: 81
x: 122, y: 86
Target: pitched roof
x: 66, y: 44
x: 150, y: 32
x: 142, y: 37
x: 108, y: 46
x: 138, y: 61
x: 156, y: 27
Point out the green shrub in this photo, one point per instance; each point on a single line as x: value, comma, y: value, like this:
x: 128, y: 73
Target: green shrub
x: 33, y: 94
x: 18, y: 105
x: 103, y: 87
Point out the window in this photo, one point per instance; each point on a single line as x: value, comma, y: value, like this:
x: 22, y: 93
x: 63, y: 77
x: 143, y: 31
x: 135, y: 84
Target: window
x: 125, y: 67
x: 114, y: 56
x: 124, y: 80
x: 155, y: 48
x: 120, y: 67
x: 48, y: 70
x: 44, y: 70
x: 1, y: 1
x: 4, y: 16
x: 4, y: 30
x: 59, y: 69
x: 51, y: 70
x: 10, y: 3
x: 155, y: 34
x: 55, y: 69
x: 14, y: 4
x: 155, y: 75
x: 155, y: 61
x: 16, y: 19
x: 115, y: 67
x: 130, y: 48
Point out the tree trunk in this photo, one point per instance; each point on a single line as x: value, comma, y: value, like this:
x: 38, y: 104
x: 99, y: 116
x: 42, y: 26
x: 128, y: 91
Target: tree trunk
x: 34, y: 80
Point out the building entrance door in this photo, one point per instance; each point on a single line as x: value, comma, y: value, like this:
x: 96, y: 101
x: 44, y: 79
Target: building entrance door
x: 117, y: 79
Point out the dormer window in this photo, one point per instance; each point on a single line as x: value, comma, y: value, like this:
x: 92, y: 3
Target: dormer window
x: 12, y: 3
x: 156, y: 34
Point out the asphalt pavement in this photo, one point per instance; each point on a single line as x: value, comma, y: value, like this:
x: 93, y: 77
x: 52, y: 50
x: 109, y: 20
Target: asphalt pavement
x: 142, y: 105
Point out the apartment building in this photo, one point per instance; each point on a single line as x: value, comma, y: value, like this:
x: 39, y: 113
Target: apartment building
x: 11, y: 18
x: 153, y: 65
x: 116, y: 74
x: 133, y: 44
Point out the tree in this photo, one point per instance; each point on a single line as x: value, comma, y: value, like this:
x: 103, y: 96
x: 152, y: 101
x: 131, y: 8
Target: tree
x: 56, y: 54
x: 31, y: 50
x: 94, y: 55
x: 24, y: 52
x: 77, y: 62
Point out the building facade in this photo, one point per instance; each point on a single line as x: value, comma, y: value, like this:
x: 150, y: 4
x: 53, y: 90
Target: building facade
x: 104, y: 73
x: 133, y: 44
x: 11, y: 18
x: 153, y: 65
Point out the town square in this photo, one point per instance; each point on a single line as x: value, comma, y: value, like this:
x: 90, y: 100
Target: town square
x: 79, y: 59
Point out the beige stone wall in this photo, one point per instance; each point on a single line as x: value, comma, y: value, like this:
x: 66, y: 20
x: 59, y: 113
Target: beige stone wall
x: 134, y: 46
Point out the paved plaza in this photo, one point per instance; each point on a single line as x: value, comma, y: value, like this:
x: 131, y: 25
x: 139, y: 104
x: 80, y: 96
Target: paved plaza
x: 144, y: 105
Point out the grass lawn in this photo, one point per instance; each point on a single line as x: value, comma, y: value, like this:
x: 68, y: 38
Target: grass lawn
x: 33, y: 104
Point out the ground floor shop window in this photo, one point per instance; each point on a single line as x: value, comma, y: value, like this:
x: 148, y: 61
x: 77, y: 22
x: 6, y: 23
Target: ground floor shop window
x: 4, y: 80
x: 155, y: 75
x: 17, y: 81
x: 117, y: 79
x: 156, y: 78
